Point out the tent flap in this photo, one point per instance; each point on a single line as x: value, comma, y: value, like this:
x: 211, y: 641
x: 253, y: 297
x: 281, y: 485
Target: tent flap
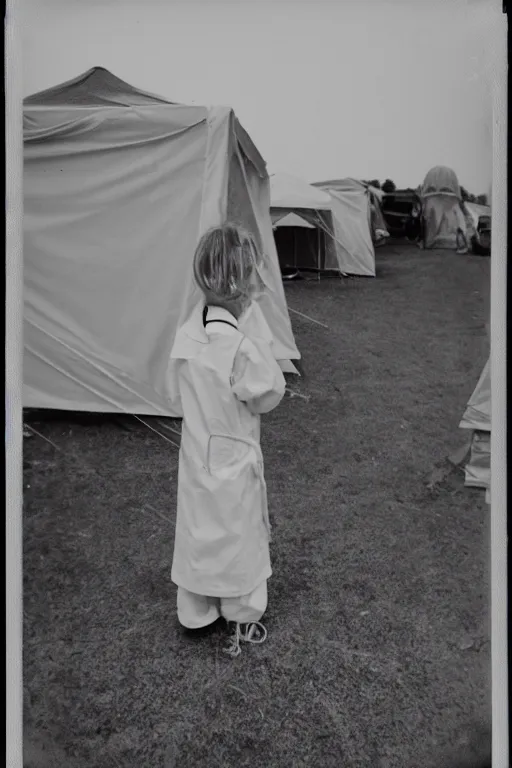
x: 478, y: 411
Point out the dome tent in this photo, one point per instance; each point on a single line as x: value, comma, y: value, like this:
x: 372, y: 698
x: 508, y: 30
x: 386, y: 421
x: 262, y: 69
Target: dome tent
x: 118, y: 187
x: 442, y: 214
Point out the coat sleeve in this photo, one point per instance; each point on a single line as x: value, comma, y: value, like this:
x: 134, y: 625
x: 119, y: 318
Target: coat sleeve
x: 253, y: 324
x: 257, y: 379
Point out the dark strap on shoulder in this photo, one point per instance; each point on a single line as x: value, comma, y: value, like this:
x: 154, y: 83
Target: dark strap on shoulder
x: 226, y: 322
x: 207, y: 322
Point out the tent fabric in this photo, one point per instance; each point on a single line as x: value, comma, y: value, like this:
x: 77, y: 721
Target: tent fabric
x: 118, y: 189
x: 378, y: 222
x: 292, y: 220
x: 478, y: 469
x: 378, y: 227
x: 96, y: 87
x: 442, y: 214
x: 441, y: 180
x: 478, y: 410
x: 288, y: 191
x: 351, y: 208
x: 477, y: 211
x: 248, y: 203
x: 477, y: 417
x: 443, y: 218
x: 376, y: 192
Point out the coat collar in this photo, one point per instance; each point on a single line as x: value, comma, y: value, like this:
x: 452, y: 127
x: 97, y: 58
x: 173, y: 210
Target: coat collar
x: 221, y: 314
x: 193, y: 332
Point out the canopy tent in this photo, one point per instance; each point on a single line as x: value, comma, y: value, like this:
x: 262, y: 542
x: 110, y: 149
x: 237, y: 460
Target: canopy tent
x: 442, y: 214
x: 354, y: 208
x: 303, y: 225
x: 118, y: 187
x: 477, y: 417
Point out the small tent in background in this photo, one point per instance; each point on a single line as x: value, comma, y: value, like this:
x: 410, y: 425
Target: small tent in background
x: 303, y: 225
x: 351, y: 205
x: 442, y: 214
x: 118, y: 187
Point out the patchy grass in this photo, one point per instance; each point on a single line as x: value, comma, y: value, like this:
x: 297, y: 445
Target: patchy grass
x: 378, y: 650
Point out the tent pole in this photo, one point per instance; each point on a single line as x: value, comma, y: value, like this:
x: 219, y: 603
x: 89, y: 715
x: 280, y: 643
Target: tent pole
x: 318, y: 253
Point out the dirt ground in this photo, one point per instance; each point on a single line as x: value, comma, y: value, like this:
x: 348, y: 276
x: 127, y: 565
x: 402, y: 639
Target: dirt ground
x: 378, y: 650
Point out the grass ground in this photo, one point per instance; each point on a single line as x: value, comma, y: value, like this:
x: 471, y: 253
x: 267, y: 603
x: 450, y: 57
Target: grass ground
x: 378, y: 651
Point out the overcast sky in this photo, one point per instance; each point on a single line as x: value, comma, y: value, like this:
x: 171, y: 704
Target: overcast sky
x: 326, y: 89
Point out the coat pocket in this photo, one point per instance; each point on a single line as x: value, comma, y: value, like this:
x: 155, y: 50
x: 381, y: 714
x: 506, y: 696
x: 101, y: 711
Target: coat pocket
x: 233, y: 458
x: 226, y: 456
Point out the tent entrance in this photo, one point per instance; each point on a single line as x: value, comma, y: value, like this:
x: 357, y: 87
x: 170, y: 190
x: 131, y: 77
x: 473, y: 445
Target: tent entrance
x: 305, y: 241
x: 299, y: 248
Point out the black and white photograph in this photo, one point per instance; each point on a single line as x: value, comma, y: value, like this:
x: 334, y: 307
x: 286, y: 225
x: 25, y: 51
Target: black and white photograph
x: 255, y: 394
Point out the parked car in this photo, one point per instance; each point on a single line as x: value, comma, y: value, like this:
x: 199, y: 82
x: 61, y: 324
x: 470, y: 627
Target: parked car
x: 478, y: 218
x: 402, y: 213
x: 481, y: 240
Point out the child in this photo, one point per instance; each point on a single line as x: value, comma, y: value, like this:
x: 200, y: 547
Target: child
x: 225, y: 380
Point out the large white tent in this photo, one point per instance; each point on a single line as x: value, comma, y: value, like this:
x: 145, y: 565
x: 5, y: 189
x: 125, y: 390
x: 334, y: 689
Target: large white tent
x: 118, y: 187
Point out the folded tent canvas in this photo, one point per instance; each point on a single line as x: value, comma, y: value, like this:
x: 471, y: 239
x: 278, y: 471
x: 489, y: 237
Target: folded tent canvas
x: 442, y: 213
x: 303, y: 225
x: 118, y: 187
x: 351, y: 205
x: 477, y: 417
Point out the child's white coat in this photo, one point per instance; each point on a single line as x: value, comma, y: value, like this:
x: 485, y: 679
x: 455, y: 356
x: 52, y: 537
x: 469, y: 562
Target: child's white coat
x: 225, y: 381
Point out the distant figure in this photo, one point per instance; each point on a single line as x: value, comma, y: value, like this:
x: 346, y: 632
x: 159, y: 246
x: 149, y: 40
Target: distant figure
x: 413, y: 227
x: 462, y: 243
x: 225, y: 380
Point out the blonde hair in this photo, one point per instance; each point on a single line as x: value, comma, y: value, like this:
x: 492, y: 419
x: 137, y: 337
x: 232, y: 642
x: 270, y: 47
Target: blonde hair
x: 225, y: 264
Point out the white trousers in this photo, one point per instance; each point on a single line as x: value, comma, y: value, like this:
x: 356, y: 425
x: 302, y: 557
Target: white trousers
x: 196, y: 611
